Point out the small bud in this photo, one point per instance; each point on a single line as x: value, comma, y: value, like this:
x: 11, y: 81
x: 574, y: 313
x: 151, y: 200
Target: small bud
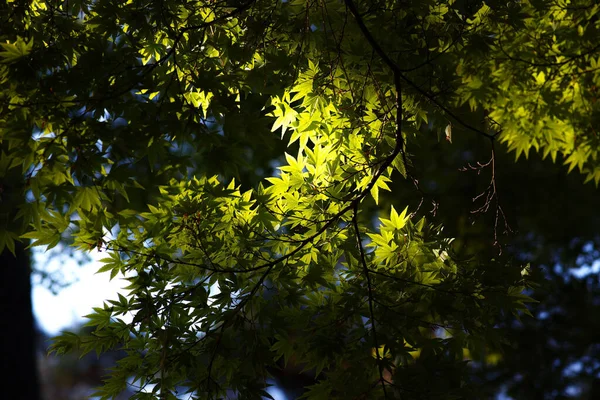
x: 449, y: 133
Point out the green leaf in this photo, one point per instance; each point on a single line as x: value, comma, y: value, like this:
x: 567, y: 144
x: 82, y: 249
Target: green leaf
x: 15, y: 51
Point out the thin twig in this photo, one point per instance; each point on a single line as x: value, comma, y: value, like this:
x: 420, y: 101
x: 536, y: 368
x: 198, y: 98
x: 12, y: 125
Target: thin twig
x: 370, y: 295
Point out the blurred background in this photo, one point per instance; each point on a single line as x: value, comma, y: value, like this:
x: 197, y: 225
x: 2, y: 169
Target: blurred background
x: 65, y: 288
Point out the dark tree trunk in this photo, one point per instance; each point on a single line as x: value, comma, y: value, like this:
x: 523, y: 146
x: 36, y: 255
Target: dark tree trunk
x: 19, y: 374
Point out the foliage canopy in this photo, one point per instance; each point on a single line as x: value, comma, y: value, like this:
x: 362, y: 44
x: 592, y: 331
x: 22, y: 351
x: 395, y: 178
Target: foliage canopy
x: 129, y: 120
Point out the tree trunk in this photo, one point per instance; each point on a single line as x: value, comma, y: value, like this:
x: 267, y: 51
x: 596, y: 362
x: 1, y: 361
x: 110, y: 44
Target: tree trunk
x: 17, y: 334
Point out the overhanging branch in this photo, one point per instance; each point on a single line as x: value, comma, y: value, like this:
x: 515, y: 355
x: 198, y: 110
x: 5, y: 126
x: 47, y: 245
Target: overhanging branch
x: 398, y: 72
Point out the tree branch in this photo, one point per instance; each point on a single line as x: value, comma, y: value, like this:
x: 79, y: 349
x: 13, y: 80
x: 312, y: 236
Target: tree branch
x: 370, y: 295
x: 398, y: 72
